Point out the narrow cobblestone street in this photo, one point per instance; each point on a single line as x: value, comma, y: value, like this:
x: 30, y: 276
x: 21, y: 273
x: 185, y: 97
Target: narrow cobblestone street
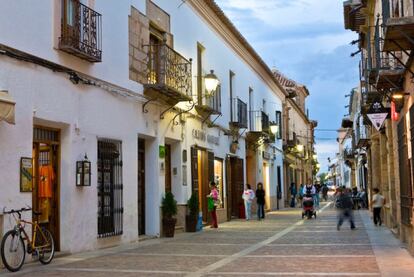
x: 281, y: 245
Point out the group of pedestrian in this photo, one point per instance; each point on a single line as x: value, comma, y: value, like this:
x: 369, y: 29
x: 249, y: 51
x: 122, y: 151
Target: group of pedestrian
x: 309, y: 188
x: 248, y: 197
x: 345, y: 204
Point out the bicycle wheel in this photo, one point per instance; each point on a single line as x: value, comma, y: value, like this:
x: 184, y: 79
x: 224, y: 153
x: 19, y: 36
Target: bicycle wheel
x: 46, y: 247
x: 13, y: 251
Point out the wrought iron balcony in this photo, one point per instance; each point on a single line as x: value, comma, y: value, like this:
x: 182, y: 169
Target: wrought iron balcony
x: 389, y: 65
x: 348, y: 154
x: 399, y: 28
x: 259, y: 122
x: 354, y: 16
x: 238, y: 113
x: 81, y: 31
x: 168, y: 75
x: 210, y: 104
x: 361, y: 133
x: 259, y: 126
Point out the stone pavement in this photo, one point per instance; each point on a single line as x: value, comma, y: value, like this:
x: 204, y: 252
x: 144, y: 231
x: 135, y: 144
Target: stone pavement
x: 281, y: 245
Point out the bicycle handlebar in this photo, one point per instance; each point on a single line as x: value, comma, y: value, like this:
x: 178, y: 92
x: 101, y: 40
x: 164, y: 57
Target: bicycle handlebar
x: 12, y: 211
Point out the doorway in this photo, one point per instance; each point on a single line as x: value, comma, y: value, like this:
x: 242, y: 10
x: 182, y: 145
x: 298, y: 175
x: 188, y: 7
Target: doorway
x: 167, y: 168
x: 235, y: 186
x: 202, y: 172
x: 45, y: 194
x: 266, y: 185
x: 141, y: 186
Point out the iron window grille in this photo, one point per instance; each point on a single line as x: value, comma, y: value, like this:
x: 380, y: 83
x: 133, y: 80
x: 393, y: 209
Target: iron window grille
x: 110, y: 188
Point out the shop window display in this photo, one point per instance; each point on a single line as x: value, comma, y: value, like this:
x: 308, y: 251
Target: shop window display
x: 218, y: 178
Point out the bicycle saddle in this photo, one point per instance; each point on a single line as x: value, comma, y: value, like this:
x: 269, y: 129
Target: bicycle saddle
x: 37, y: 213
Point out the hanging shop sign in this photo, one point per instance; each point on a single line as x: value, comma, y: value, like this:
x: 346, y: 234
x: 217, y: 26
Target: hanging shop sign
x: 377, y: 114
x: 26, y: 174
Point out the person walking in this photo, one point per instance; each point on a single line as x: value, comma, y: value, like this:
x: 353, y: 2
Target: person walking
x: 317, y: 197
x: 248, y: 196
x: 213, y: 199
x: 344, y: 206
x: 300, y: 197
x: 260, y: 199
x: 293, y: 192
x: 378, y: 202
x: 325, y: 190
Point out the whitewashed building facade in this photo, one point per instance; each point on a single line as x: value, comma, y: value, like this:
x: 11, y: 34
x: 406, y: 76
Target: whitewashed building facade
x: 122, y: 83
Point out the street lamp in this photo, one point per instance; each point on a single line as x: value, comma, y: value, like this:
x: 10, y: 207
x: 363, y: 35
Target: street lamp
x: 274, y: 128
x: 211, y: 82
x: 315, y: 157
x: 299, y: 147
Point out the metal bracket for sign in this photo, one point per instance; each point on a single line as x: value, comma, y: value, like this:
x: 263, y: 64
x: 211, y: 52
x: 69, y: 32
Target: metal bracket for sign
x: 211, y: 124
x: 205, y: 118
x: 403, y: 64
x: 239, y: 135
x: 180, y: 113
x: 166, y: 110
x: 144, y: 110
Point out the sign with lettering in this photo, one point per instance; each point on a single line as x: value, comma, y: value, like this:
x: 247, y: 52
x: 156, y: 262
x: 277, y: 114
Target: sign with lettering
x: 377, y: 114
x: 201, y: 135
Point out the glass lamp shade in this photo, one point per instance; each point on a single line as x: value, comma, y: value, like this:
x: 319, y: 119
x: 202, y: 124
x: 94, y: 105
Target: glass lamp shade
x: 274, y: 128
x: 315, y: 157
x: 299, y: 147
x: 318, y: 165
x: 211, y: 81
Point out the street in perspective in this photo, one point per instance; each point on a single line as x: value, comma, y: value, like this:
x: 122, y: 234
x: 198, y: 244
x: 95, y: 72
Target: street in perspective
x: 207, y: 138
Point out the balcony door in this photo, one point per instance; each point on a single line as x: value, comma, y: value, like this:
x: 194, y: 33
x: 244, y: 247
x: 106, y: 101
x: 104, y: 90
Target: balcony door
x: 71, y: 20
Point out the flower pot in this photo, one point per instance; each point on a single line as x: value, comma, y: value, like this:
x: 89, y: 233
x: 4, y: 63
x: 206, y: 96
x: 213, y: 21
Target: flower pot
x: 168, y: 227
x: 191, y: 223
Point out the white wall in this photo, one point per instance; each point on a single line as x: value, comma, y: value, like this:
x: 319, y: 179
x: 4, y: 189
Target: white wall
x: 86, y: 113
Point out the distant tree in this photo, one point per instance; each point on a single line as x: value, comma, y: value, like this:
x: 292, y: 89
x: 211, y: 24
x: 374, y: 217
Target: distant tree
x: 323, y: 177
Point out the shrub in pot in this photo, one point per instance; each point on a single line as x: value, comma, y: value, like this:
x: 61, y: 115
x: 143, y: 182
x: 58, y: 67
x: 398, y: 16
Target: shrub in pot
x: 192, y: 217
x: 169, y: 210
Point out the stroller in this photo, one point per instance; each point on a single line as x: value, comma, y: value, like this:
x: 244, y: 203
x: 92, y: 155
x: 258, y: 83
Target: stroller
x: 307, y: 205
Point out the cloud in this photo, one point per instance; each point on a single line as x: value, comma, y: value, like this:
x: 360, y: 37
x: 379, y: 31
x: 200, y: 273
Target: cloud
x: 282, y: 13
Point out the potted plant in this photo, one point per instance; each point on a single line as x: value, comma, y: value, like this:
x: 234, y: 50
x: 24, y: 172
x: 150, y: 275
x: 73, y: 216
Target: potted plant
x: 192, y: 217
x: 169, y: 210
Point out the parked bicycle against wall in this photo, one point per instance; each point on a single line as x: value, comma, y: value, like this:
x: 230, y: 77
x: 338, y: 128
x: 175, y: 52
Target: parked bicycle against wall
x: 13, y: 248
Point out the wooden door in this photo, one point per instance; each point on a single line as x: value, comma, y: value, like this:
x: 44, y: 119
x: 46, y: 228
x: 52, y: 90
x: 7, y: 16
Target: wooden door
x: 141, y: 186
x: 71, y: 21
x: 228, y: 189
x: 237, y: 177
x: 167, y: 168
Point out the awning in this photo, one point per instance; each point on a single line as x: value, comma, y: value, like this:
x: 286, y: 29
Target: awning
x: 6, y: 107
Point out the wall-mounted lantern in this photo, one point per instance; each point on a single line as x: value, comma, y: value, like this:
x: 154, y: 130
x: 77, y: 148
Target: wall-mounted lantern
x: 83, y: 172
x: 211, y: 82
x: 299, y: 147
x: 274, y: 128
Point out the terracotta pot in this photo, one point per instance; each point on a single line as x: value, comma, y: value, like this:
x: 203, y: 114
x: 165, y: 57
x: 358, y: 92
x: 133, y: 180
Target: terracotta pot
x: 191, y: 223
x: 168, y: 227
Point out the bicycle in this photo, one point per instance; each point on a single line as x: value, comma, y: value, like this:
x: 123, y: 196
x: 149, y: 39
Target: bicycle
x: 13, y: 250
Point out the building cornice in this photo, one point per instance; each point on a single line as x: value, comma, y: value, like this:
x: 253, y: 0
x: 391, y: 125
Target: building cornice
x: 212, y: 14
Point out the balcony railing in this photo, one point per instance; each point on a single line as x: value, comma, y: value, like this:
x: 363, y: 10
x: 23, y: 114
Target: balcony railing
x: 168, y: 74
x: 81, y: 33
x: 210, y: 104
x: 348, y: 153
x: 399, y: 27
x: 259, y: 122
x: 239, y: 113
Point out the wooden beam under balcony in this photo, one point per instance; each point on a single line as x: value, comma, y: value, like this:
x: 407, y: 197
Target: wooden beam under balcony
x: 399, y: 34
